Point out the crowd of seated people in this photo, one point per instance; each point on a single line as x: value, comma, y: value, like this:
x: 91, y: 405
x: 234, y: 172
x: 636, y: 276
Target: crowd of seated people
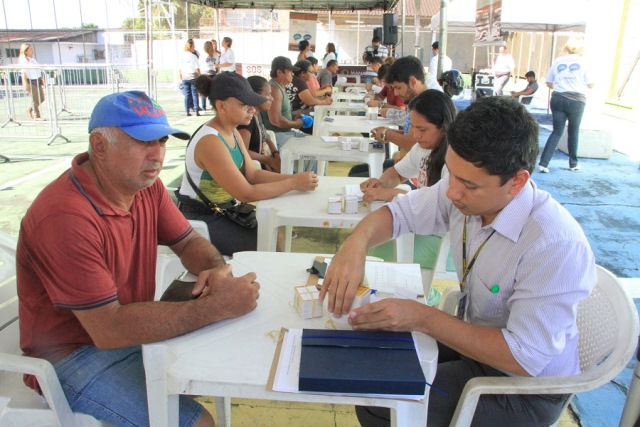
x: 87, y: 306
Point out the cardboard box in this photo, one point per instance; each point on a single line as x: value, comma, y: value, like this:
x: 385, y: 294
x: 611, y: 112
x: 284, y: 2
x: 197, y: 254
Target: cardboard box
x: 335, y: 204
x: 305, y: 300
x: 350, y: 204
x: 368, y: 362
x: 362, y: 297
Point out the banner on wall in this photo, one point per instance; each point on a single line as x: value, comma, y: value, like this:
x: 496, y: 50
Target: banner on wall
x: 302, y: 26
x: 488, y: 22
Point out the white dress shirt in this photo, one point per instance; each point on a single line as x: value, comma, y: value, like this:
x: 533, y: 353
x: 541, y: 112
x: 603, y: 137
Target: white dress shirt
x: 433, y: 65
x: 529, y: 277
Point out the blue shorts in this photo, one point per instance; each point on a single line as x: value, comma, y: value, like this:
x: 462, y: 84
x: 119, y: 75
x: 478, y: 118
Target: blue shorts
x: 110, y: 386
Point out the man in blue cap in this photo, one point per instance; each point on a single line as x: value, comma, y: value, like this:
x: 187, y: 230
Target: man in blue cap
x: 86, y: 262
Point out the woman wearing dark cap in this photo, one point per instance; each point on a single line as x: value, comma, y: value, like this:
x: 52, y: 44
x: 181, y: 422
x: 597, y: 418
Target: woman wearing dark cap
x: 219, y: 166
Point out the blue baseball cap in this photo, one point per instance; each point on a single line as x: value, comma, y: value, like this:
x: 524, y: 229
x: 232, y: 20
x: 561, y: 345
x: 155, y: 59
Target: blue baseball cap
x: 136, y: 114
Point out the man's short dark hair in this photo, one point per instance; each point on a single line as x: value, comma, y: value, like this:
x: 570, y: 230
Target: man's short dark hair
x: 435, y: 45
x: 375, y: 39
x: 496, y: 133
x: 383, y: 70
x: 530, y: 74
x: 376, y: 60
x: 403, y: 69
x: 331, y: 63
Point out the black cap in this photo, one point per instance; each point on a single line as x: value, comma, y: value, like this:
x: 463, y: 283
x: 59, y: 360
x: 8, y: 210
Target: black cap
x: 233, y: 85
x: 283, y: 63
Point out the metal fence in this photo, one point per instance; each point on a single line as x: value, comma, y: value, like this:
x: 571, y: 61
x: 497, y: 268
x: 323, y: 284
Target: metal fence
x: 70, y: 93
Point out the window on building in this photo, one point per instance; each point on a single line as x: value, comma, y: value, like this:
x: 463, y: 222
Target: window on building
x: 98, y: 54
x: 12, y: 53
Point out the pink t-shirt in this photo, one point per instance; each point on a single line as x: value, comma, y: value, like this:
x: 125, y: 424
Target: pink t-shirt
x: 313, y: 83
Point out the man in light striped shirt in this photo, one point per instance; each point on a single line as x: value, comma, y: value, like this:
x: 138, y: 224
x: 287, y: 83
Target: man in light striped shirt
x: 523, y: 262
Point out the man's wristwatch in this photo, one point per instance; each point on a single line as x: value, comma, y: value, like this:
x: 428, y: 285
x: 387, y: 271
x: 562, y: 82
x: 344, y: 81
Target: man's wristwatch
x: 383, y: 135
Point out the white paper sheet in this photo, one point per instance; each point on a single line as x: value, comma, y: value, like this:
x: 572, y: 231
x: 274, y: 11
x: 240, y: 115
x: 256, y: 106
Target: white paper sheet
x: 379, y: 122
x: 386, y: 277
x: 329, y: 138
x: 353, y: 190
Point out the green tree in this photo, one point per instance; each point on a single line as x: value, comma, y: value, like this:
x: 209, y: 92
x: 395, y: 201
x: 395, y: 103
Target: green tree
x: 161, y: 12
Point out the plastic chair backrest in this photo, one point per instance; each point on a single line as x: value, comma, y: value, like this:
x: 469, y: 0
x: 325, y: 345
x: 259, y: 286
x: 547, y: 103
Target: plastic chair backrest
x: 19, y: 405
x: 201, y: 228
x: 272, y: 136
x: 608, y: 327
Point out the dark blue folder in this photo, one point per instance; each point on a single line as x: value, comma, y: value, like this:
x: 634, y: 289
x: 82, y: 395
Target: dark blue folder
x: 367, y: 362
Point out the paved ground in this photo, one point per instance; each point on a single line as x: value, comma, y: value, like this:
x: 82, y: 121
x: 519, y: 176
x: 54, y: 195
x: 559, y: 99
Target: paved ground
x: 603, y: 197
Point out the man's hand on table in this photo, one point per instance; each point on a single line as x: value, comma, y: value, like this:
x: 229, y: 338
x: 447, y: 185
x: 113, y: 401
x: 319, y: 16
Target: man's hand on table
x: 378, y: 193
x: 389, y: 315
x: 229, y: 296
x: 344, y: 275
x: 370, y: 183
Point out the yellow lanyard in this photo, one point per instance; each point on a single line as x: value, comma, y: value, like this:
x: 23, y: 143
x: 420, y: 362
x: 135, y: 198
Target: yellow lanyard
x: 467, y: 268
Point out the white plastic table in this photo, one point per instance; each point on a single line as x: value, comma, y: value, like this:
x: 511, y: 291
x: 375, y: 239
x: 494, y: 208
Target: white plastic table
x: 341, y: 87
x: 346, y: 108
x: 315, y: 148
x: 233, y: 358
x: 348, y: 96
x: 310, y: 209
x: 357, y: 124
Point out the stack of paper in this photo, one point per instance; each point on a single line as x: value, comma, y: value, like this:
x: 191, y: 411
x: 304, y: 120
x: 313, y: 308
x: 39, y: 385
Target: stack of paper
x: 390, y: 277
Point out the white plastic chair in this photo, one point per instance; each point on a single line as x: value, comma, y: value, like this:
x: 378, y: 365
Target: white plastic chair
x: 20, y: 405
x: 631, y: 410
x: 608, y: 326
x: 168, y: 268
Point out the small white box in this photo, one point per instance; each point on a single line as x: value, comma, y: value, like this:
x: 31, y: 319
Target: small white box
x: 363, y: 293
x: 346, y: 144
x: 364, y: 144
x: 372, y: 113
x: 351, y: 204
x: 305, y: 300
x: 335, y: 205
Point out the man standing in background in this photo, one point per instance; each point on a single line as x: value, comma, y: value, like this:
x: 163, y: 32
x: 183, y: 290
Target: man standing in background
x: 502, y: 69
x: 433, y: 64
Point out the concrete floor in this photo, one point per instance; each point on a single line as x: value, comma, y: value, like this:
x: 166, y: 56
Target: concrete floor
x: 33, y: 164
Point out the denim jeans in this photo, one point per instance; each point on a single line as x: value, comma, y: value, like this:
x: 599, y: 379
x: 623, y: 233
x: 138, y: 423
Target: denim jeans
x: 190, y: 95
x: 564, y: 109
x: 110, y: 386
